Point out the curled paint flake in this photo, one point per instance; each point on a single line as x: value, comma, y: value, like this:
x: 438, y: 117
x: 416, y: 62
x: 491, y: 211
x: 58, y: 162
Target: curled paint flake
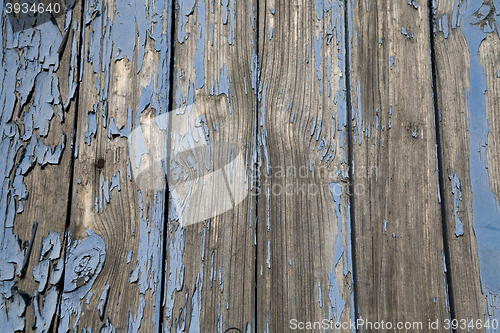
x: 92, y: 125
x: 51, y: 243
x: 456, y: 189
x: 232, y: 14
x: 12, y: 312
x: 134, y: 325
x: 186, y: 8
x: 199, y: 55
x: 408, y: 34
x: 41, y: 274
x: 107, y: 327
x: 115, y: 182
x: 43, y: 321
x: 72, y: 83
x: 123, y: 32
x: 337, y: 303
x: 123, y: 131
x: 102, y: 301
x: 57, y: 271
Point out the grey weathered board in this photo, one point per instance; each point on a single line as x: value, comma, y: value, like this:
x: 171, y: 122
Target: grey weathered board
x: 467, y: 49
x: 399, y: 244
x: 210, y: 256
x: 196, y: 156
x: 452, y: 78
x: 304, y: 266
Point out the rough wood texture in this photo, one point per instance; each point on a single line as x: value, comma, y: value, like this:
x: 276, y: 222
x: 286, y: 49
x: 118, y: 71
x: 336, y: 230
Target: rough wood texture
x: 452, y: 80
x: 38, y: 119
x: 221, y: 199
x: 466, y: 58
x: 211, y: 226
x: 304, y: 266
x: 399, y: 246
x: 113, y: 274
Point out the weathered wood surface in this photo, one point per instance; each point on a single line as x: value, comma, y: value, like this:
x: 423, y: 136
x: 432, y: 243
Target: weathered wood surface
x: 210, y: 161
x: 117, y: 209
x: 203, y: 178
x: 466, y: 59
x: 303, y: 229
x: 37, y: 126
x: 452, y: 82
x: 399, y: 245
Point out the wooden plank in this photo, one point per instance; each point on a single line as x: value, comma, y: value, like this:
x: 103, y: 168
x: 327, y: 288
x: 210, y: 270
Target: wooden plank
x: 399, y: 244
x: 466, y: 57
x: 304, y: 266
x: 38, y: 120
x: 115, y: 243
x: 210, y: 256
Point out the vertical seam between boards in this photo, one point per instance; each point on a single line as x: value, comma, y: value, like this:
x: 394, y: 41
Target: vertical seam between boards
x: 79, y: 64
x: 171, y: 66
x: 347, y: 64
x: 442, y: 206
x: 256, y: 140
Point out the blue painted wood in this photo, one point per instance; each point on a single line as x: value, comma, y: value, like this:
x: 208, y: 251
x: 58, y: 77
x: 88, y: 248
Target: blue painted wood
x: 39, y: 82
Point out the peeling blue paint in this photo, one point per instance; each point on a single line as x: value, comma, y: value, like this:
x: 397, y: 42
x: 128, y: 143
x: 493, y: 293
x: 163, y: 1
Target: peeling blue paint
x: 125, y: 130
x: 115, y: 182
x: 444, y: 26
x: 406, y: 33
x: 186, y: 8
x: 199, y: 56
x: 359, y: 120
x: 43, y: 321
x: 414, y: 134
x: 84, y: 261
x: 102, y: 301
x: 456, y: 189
x: 320, y: 296
x: 41, y: 274
x: 413, y: 3
x: 485, y: 207
x: 232, y: 14
x: 390, y: 115
x: 268, y: 260
x: 173, y: 262
x: 317, y: 57
x: 337, y: 302
x: 134, y: 325
x: 92, y: 125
